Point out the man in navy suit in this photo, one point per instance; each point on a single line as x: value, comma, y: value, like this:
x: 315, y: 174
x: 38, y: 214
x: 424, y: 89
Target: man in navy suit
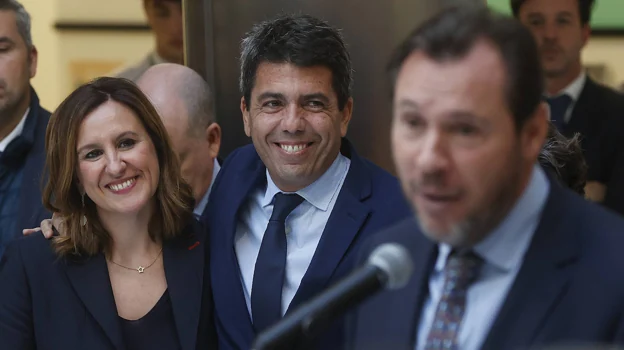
x: 22, y: 127
x: 185, y: 104
x: 504, y: 256
x: 288, y: 213
x: 578, y: 103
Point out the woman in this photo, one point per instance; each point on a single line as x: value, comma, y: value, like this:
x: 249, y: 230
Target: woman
x: 128, y: 271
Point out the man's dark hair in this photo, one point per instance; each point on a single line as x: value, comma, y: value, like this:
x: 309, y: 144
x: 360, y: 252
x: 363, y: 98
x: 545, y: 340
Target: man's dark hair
x: 450, y: 36
x: 563, y: 157
x: 585, y: 9
x: 302, y: 40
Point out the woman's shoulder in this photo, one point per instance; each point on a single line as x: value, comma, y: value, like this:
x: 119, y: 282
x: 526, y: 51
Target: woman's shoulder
x: 30, y: 251
x: 193, y: 234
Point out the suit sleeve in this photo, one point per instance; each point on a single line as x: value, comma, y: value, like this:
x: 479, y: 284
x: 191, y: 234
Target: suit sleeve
x: 16, y: 321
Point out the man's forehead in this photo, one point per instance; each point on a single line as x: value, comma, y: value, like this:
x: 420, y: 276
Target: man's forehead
x: 482, y: 63
x: 288, y: 80
x: 550, y: 7
x: 8, y: 24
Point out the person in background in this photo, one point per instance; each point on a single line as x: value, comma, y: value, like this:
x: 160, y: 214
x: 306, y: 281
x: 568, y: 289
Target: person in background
x: 165, y: 19
x: 22, y: 126
x: 563, y: 158
x: 127, y: 272
x: 185, y: 104
x: 503, y: 257
x: 579, y: 104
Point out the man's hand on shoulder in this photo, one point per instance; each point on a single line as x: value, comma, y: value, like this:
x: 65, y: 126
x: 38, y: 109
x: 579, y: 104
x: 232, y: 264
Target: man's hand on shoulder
x: 46, y: 227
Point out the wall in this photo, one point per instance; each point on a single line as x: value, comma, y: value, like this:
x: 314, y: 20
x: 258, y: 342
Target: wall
x: 43, y: 13
x: 67, y: 58
x: 610, y: 53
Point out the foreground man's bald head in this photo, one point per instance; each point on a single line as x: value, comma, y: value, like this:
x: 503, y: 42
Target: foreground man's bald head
x: 185, y: 103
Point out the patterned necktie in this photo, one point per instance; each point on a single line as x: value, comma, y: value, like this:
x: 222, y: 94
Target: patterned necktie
x: 460, y: 271
x: 268, y: 279
x: 558, y: 107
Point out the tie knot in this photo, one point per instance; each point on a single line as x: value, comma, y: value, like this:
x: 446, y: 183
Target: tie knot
x: 284, y: 204
x: 562, y: 101
x: 462, y: 268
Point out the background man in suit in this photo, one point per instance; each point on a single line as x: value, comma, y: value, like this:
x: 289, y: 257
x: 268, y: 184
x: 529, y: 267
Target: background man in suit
x: 165, y: 19
x: 22, y: 126
x: 185, y: 104
x: 577, y: 103
x: 504, y: 257
x: 296, y: 79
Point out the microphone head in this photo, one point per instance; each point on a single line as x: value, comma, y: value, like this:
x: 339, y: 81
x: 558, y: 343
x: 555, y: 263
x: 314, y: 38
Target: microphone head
x: 395, y: 261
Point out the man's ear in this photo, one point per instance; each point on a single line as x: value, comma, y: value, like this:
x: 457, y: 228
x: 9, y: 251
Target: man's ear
x: 534, y: 132
x: 347, y: 112
x: 246, y: 117
x: 32, y: 61
x: 213, y: 136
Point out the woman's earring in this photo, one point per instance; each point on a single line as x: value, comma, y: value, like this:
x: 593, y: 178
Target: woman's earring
x: 83, y: 219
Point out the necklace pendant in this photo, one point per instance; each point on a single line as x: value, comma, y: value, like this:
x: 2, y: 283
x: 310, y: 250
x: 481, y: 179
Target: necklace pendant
x: 141, y: 269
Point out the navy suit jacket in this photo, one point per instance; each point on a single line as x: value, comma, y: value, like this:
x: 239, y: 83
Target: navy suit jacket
x: 370, y: 200
x: 570, y: 287
x: 47, y: 302
x: 31, y: 210
x: 598, y: 116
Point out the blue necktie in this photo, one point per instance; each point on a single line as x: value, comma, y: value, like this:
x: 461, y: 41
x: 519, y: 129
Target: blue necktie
x: 460, y: 271
x: 270, y: 270
x: 558, y: 107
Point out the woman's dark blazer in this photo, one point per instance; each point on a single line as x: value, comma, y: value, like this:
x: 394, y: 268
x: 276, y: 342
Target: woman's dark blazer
x: 47, y: 302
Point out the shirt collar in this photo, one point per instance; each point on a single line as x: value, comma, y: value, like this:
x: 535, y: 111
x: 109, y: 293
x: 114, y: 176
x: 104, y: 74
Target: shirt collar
x: 17, y: 131
x: 505, y: 246
x: 320, y: 192
x: 575, y: 88
x: 199, y: 208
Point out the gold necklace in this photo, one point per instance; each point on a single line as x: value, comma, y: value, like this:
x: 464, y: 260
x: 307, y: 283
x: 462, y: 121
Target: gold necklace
x: 140, y: 269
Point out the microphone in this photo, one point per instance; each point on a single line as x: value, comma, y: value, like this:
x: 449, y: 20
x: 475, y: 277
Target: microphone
x: 389, y: 266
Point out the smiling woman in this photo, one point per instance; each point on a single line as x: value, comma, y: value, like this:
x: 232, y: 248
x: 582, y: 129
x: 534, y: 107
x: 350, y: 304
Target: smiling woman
x: 128, y: 236
x: 112, y: 137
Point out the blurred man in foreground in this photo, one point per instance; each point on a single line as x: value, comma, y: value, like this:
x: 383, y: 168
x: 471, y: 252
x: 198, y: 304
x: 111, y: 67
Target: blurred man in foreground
x: 504, y: 256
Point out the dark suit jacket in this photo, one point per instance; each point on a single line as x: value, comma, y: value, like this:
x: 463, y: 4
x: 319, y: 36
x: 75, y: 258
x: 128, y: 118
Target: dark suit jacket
x: 31, y: 208
x: 598, y: 116
x: 570, y: 287
x: 68, y: 303
x: 370, y: 200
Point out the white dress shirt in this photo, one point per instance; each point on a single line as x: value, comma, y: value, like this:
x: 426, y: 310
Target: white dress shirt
x: 17, y: 131
x: 574, y: 91
x: 304, y: 228
x: 503, y: 253
x: 199, y: 207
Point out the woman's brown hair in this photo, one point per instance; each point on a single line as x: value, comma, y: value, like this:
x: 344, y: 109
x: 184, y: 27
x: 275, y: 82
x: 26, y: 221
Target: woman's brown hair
x: 61, y: 195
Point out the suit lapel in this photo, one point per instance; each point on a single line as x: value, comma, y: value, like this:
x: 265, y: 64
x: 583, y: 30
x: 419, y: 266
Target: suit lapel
x: 230, y: 304
x: 33, y: 134
x: 345, y: 222
x: 413, y: 296
x: 541, y: 281
x: 184, y: 268
x: 89, y: 279
x: 404, y: 306
x: 583, y: 108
